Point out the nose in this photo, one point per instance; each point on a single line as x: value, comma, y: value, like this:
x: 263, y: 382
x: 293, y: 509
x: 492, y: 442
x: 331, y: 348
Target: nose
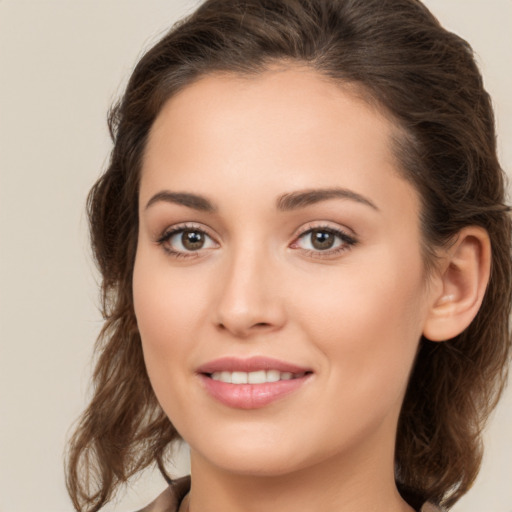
x: 251, y: 294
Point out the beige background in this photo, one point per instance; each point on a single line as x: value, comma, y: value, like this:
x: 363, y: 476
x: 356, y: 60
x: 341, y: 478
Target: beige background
x: 62, y: 62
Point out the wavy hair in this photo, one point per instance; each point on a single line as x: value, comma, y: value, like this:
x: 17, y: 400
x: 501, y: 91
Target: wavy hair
x: 425, y: 79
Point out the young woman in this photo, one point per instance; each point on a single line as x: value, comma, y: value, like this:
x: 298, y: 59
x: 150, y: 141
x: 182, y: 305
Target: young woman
x: 305, y: 253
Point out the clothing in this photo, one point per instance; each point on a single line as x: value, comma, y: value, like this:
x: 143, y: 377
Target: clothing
x: 170, y: 499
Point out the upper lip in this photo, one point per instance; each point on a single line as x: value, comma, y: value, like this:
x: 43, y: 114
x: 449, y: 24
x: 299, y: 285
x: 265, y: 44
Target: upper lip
x: 251, y: 364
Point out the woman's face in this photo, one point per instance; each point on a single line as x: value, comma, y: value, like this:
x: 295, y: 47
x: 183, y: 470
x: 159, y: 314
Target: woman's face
x: 279, y: 286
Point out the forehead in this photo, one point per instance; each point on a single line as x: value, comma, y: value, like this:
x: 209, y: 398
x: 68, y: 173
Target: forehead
x: 287, y: 127
x: 269, y: 103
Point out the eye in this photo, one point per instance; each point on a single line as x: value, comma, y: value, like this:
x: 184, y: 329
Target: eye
x: 186, y: 241
x: 325, y: 240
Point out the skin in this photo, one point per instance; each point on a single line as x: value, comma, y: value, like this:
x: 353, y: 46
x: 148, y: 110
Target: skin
x: 259, y: 287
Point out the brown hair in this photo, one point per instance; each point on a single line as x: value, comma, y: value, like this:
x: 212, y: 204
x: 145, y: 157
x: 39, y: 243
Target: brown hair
x: 426, y: 80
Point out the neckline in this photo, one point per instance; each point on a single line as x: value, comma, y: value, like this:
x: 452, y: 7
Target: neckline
x: 180, y: 487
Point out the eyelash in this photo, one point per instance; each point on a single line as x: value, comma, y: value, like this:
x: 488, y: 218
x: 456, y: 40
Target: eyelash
x: 167, y: 235
x: 347, y: 240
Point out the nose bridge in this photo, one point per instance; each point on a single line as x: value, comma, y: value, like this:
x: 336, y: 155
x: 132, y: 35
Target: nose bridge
x: 249, y: 300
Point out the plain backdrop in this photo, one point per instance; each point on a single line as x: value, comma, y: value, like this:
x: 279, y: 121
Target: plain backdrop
x: 62, y: 63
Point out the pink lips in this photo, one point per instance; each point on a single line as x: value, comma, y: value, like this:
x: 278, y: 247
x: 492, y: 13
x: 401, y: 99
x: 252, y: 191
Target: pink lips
x: 251, y: 396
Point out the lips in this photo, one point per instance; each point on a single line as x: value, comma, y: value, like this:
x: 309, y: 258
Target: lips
x: 252, y: 364
x: 251, y: 383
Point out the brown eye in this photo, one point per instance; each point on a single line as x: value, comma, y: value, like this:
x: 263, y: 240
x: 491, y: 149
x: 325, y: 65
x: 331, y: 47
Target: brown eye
x: 322, y: 239
x: 185, y: 241
x: 192, y: 240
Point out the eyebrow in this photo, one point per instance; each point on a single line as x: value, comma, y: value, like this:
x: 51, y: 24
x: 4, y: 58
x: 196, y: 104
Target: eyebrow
x: 303, y: 198
x: 185, y: 199
x: 286, y: 202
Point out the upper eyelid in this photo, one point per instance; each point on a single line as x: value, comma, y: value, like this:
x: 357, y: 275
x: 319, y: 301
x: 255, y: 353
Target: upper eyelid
x: 324, y: 225
x: 340, y: 233
x: 182, y: 226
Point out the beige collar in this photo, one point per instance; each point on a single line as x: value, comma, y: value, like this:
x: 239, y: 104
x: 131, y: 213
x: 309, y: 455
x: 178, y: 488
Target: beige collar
x: 172, y: 497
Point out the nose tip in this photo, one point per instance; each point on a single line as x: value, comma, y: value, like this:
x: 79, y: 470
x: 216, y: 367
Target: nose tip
x: 249, y: 301
x: 242, y: 315
x: 242, y: 327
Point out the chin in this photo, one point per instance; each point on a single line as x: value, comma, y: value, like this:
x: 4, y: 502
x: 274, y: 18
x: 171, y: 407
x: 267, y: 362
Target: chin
x: 263, y: 457
x: 257, y: 466
x: 249, y: 457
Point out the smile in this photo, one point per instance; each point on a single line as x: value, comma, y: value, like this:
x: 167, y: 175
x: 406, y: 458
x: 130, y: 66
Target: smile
x: 251, y: 383
x: 258, y: 377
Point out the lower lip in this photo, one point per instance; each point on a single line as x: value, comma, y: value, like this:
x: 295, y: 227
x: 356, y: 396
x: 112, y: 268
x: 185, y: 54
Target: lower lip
x: 251, y: 396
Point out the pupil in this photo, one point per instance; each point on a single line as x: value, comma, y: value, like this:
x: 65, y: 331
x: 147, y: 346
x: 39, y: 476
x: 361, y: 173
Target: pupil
x: 322, y: 239
x: 192, y: 240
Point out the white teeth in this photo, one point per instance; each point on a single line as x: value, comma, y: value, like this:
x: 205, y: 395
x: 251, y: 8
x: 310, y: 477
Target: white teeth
x: 239, y: 378
x: 225, y: 376
x: 273, y: 375
x: 258, y: 377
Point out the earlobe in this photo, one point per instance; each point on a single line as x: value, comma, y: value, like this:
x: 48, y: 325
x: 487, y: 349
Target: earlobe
x: 462, y: 281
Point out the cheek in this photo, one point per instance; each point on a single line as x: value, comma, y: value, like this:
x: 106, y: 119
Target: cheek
x: 166, y: 302
x: 156, y: 311
x: 367, y: 321
x: 167, y: 309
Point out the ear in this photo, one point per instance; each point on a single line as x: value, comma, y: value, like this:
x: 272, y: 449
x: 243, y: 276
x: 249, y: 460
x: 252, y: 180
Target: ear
x: 459, y: 285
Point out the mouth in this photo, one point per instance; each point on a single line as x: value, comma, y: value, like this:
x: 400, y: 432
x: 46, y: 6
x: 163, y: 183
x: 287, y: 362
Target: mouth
x: 251, y: 383
x: 256, y: 377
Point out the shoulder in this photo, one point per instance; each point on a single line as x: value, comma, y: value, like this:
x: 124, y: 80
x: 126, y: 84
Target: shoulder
x: 170, y: 499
